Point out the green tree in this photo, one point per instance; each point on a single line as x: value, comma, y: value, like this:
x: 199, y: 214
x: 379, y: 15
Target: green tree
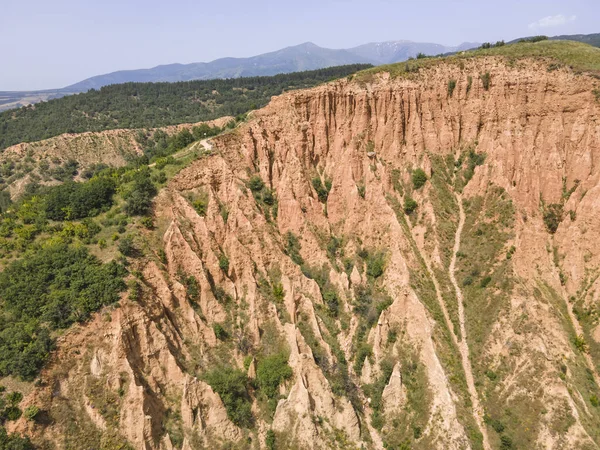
x: 232, y: 387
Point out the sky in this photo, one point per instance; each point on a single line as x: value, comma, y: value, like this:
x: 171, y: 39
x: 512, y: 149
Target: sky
x: 48, y: 44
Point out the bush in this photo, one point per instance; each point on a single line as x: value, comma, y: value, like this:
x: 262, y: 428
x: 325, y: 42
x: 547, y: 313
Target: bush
x: 451, y: 87
x: 363, y: 352
x: 232, y: 387
x: 220, y: 332
x: 268, y: 198
x: 419, y: 178
x: 12, y: 413
x: 361, y: 189
x: 14, y: 441
x: 139, y: 198
x: 375, y: 264
x: 486, y: 79
x: 271, y: 371
x: 293, y: 248
x: 147, y: 222
x: 224, y: 263
x: 322, y: 191
x: 553, y: 216
x: 505, y: 442
x: 256, y: 183
x: 270, y: 440
x: 580, y: 344
x: 485, y: 281
x: 31, y: 412
x: 14, y: 398
x: 126, y: 246
x: 409, y: 204
x: 534, y: 39
x: 494, y: 423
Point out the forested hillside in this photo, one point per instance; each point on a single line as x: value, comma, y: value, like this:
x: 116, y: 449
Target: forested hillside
x: 139, y: 105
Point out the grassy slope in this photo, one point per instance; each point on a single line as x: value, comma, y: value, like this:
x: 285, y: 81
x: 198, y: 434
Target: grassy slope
x: 581, y: 57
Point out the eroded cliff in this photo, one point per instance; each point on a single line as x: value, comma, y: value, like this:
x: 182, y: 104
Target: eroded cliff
x: 448, y: 307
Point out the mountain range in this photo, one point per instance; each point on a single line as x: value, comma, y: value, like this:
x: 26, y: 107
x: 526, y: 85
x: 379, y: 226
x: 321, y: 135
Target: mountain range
x: 306, y: 56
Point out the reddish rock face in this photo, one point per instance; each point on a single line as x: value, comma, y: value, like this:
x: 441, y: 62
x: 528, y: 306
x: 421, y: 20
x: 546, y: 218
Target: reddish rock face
x: 451, y: 326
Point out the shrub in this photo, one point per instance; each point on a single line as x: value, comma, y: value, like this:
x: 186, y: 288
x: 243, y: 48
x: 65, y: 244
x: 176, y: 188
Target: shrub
x: 375, y: 264
x: 580, y: 344
x: 14, y: 398
x: 594, y: 401
x: 419, y: 178
x: 293, y: 248
x: 256, y: 183
x: 14, y: 441
x: 494, y: 423
x: 485, y: 281
x: 232, y: 386
x: 220, y: 332
x: 192, y: 289
x: 331, y: 300
x: 322, y: 191
x: 534, y: 39
x: 486, y: 79
x: 553, y: 216
x: 361, y: 189
x: 271, y: 371
x: 278, y: 292
x: 451, y: 87
x: 201, y: 206
x: 469, y: 83
x: 31, y: 412
x: 147, y: 222
x: 268, y: 198
x: 364, y: 351
x: 270, y: 440
x: 139, y: 198
x: 409, y: 204
x: 223, y: 263
x: 126, y: 246
x: 505, y: 442
x: 12, y: 413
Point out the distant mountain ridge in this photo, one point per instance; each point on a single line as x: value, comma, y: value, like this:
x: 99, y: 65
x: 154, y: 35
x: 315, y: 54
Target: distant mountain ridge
x: 306, y: 56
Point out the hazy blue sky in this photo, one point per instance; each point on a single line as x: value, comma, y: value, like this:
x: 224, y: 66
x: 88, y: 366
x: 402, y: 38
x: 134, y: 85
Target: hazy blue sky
x: 54, y: 43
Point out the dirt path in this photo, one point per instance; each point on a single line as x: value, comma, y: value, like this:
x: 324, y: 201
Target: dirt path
x: 204, y: 143
x: 463, y: 346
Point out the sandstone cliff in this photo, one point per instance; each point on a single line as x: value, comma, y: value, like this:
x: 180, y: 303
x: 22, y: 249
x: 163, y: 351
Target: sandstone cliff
x: 445, y: 315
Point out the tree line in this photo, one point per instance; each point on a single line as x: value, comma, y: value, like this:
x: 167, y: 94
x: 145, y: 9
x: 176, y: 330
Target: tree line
x: 150, y: 105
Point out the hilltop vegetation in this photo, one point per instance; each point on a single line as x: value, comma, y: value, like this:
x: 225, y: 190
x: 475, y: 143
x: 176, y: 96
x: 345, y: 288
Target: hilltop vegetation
x: 579, y: 56
x: 145, y: 105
